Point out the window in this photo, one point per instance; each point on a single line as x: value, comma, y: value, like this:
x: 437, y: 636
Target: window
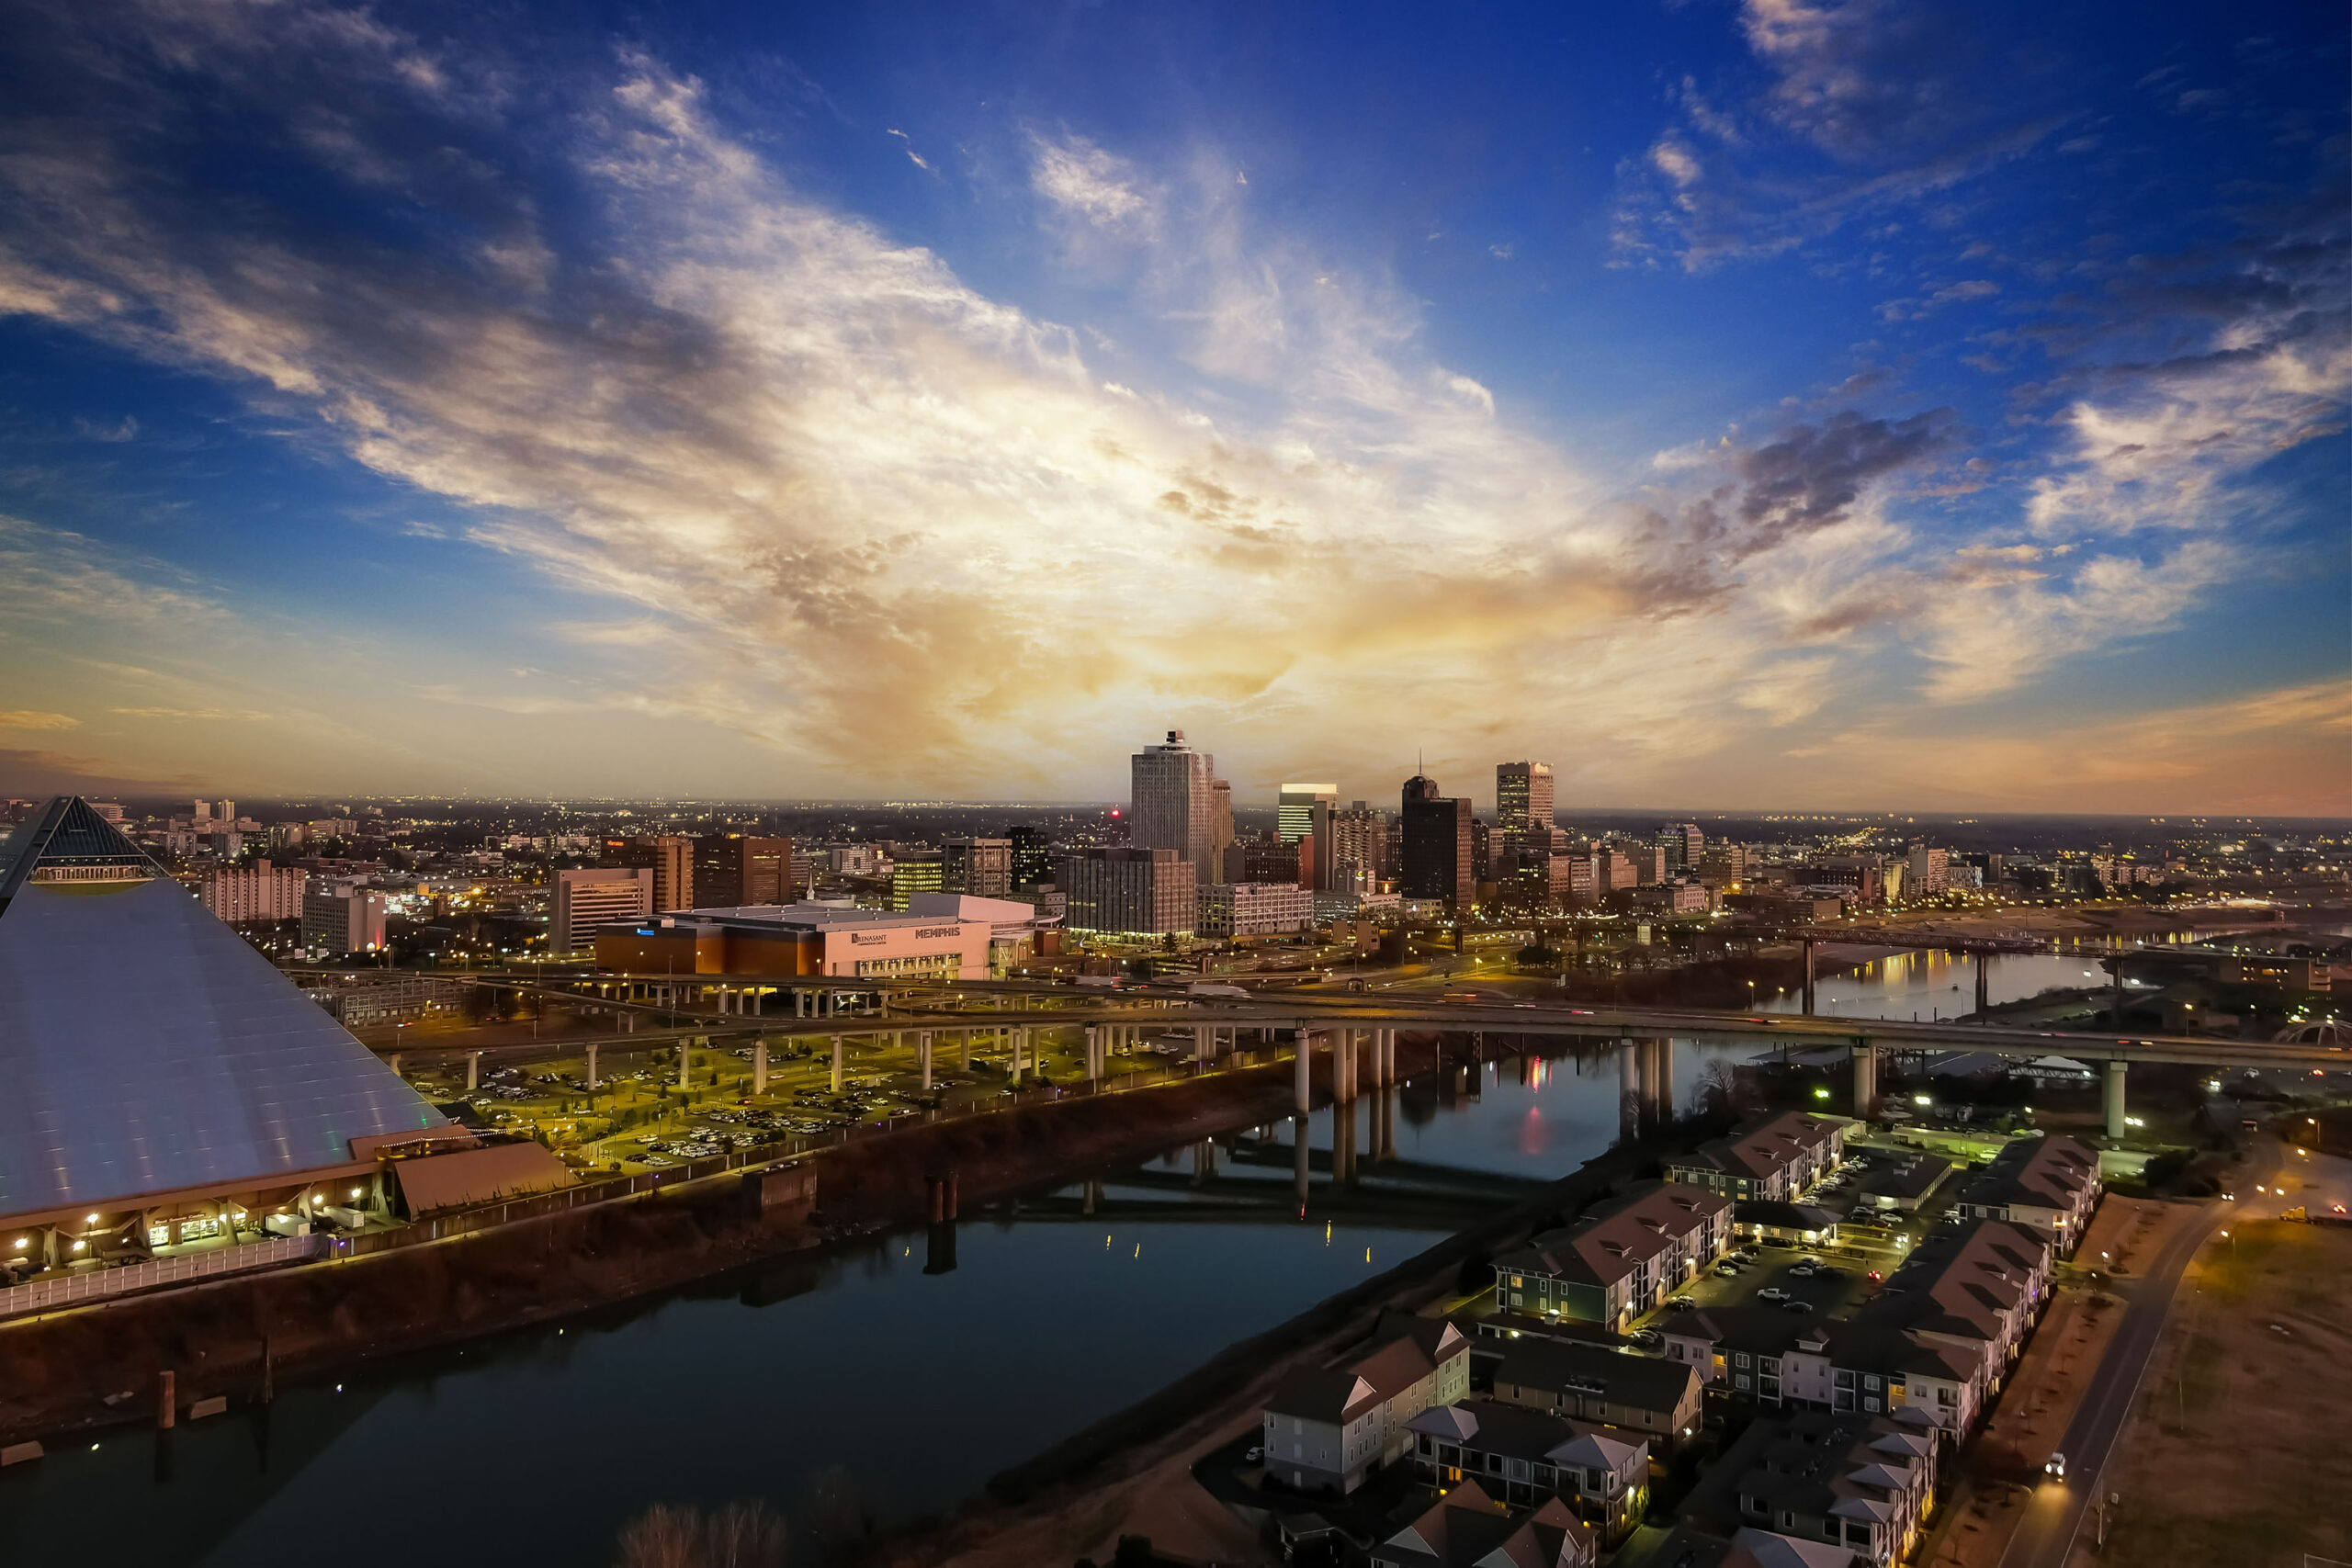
x: 1744, y: 1379
x: 1870, y: 1404
x: 1871, y: 1381
x: 1743, y: 1358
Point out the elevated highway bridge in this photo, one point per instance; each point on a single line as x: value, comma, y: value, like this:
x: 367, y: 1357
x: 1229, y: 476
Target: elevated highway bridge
x: 1010, y: 1016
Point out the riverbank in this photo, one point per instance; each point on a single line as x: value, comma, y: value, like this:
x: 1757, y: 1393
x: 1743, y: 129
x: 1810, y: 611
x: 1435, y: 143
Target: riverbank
x: 99, y: 1365
x: 1130, y: 1474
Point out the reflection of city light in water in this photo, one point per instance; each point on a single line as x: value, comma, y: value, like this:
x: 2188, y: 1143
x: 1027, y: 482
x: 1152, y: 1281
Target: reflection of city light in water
x: 1532, y: 1134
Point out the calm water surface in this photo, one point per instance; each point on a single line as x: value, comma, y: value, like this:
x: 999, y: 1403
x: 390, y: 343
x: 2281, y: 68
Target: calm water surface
x: 537, y: 1447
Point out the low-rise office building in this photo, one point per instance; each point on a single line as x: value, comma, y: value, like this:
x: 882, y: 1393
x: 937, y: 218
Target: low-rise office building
x: 798, y: 939
x: 1775, y: 1157
x: 1127, y: 890
x: 1614, y: 1267
x: 1523, y: 1457
x: 1328, y: 1427
x: 1254, y: 908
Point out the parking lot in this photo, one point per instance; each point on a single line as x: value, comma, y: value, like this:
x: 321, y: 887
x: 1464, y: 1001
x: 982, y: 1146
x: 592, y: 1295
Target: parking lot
x: 1827, y: 1279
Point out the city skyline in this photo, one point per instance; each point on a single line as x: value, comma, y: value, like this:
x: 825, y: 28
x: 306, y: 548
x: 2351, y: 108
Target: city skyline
x: 1770, y: 406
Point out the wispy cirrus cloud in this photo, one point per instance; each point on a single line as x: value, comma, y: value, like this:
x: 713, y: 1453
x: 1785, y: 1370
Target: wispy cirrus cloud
x: 841, y: 501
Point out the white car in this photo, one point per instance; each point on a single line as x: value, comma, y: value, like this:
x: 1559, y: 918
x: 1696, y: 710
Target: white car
x: 1771, y: 1293
x: 2056, y: 1468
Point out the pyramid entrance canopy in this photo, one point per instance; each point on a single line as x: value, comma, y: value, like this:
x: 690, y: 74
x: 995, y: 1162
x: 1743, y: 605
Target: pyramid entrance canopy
x: 146, y: 1048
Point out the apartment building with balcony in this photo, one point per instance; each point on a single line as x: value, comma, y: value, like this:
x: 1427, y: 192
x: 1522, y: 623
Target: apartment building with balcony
x: 1772, y: 1158
x: 1612, y: 1268
x: 1523, y: 1457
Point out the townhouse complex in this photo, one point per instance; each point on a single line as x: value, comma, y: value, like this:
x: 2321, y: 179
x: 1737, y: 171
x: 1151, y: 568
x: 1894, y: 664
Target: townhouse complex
x: 1587, y: 1391
x: 1771, y: 1158
x: 1328, y: 1427
x: 1613, y: 1267
x: 2047, y: 1185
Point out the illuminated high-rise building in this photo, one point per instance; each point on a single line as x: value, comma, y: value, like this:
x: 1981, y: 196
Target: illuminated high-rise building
x: 1523, y: 807
x: 1295, y: 808
x: 1172, y: 804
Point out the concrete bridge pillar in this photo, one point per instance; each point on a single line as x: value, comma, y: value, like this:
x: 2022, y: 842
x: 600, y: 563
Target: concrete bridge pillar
x: 2116, y: 1125
x: 395, y: 1061
x: 473, y: 1071
x: 1629, y: 1090
x: 1301, y: 1172
x: 1984, y: 993
x: 1201, y: 1052
x: 1093, y: 1053
x: 1865, y: 1077
x: 1020, y: 1047
x: 1305, y: 1097
x: 1385, y: 1140
x: 967, y: 1049
x: 1808, y: 976
x: 1658, y: 1081
x: 837, y: 1064
x: 922, y: 1052
x: 760, y: 1066
x: 591, y: 1066
x: 1343, y: 1144
x: 686, y: 1064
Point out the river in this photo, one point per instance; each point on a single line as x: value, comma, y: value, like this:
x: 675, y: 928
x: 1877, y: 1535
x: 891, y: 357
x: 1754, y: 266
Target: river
x: 538, y: 1445
x: 856, y: 1368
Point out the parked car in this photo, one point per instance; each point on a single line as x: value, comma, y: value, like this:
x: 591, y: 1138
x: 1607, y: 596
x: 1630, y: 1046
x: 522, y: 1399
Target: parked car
x: 1680, y: 1303
x: 1727, y: 1270
x: 1255, y: 1455
x: 1802, y: 1270
x: 1648, y: 1338
x: 1797, y: 1306
x: 1771, y: 1293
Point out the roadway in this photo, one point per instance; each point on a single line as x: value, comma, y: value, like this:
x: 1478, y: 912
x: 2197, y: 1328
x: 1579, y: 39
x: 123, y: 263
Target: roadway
x: 1176, y: 1011
x: 2045, y: 1537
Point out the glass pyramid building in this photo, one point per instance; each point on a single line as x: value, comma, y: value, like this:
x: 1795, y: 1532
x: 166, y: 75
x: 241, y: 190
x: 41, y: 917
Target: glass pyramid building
x: 146, y: 1050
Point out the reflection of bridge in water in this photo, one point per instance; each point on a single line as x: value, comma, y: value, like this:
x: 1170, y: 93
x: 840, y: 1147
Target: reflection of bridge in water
x: 1275, y: 1175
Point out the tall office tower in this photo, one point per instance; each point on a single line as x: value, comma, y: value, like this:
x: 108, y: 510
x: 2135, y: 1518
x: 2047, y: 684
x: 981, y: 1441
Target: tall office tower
x: 734, y: 871
x: 1172, y: 805
x: 910, y: 874
x: 1351, y: 848
x: 1123, y: 889
x: 1437, y: 845
x: 669, y: 857
x: 982, y: 867
x: 1684, y: 845
x: 589, y: 895
x: 1523, y: 806
x: 201, y: 815
x: 1482, y: 864
x: 1295, y: 808
x: 1220, y: 821
x: 1033, y: 857
x: 229, y: 812
x: 1930, y: 871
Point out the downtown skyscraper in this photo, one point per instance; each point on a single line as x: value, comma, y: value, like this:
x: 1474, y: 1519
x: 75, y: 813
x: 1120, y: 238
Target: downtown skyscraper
x: 1172, y: 804
x: 1523, y: 807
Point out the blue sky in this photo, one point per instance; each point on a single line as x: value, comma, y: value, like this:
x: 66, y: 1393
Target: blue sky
x: 1737, y: 402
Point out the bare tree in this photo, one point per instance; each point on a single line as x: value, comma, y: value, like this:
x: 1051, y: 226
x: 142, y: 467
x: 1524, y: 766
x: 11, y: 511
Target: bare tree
x: 741, y: 1535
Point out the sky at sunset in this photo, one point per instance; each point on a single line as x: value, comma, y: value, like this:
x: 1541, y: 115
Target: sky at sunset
x: 1760, y: 403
